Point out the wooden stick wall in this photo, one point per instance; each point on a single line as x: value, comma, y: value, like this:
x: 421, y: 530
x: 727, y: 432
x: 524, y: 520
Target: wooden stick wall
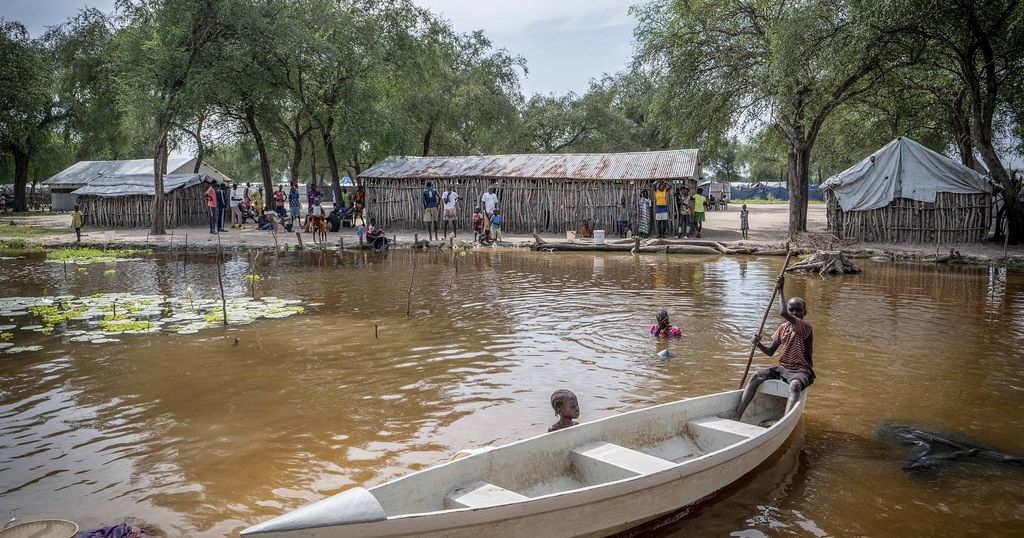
x: 544, y: 205
x: 953, y: 218
x: 184, y: 207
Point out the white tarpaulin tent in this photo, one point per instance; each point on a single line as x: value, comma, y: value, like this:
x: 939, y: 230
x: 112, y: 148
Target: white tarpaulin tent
x: 902, y: 169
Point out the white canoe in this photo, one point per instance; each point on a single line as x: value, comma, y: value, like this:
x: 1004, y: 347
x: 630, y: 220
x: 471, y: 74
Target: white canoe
x: 594, y: 479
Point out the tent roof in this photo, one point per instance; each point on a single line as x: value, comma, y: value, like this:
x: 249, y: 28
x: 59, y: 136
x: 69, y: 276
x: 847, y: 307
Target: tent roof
x: 673, y: 164
x: 83, y: 172
x: 136, y: 185
x: 902, y: 169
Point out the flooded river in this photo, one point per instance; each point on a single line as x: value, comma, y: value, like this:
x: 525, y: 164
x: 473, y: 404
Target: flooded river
x: 204, y: 434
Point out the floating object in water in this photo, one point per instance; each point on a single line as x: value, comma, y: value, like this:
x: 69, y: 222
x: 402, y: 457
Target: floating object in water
x: 933, y: 449
x: 594, y: 479
x: 46, y: 528
x: 664, y: 354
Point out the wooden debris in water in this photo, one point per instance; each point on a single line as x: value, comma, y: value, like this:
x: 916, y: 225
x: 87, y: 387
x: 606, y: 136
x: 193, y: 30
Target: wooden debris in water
x: 826, y: 262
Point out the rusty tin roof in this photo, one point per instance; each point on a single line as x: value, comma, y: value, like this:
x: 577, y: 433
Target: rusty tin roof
x: 672, y: 164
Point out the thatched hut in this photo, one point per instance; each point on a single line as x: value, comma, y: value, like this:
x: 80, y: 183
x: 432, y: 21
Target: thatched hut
x: 907, y: 193
x: 544, y: 192
x: 126, y: 201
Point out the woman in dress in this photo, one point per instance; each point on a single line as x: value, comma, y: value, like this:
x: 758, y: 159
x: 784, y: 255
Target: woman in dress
x: 643, y: 226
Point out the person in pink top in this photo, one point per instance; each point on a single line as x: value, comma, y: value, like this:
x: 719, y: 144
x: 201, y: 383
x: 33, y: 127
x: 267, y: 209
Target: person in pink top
x: 796, y: 365
x: 664, y: 329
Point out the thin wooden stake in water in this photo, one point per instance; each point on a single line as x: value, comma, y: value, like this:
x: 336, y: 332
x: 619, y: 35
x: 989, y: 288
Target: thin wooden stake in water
x: 220, y: 281
x: 408, y: 295
x: 184, y: 263
x: 775, y: 290
x: 375, y: 331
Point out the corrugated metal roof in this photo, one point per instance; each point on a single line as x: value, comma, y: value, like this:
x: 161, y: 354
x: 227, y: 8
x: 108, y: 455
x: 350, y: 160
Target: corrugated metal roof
x: 135, y: 185
x: 84, y: 172
x: 672, y: 164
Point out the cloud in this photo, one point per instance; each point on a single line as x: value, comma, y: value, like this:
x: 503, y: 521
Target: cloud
x: 508, y: 17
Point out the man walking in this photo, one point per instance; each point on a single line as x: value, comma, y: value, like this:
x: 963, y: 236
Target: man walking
x: 236, y: 206
x: 431, y: 200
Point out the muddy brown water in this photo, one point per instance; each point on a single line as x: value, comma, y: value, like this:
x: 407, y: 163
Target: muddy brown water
x: 200, y: 437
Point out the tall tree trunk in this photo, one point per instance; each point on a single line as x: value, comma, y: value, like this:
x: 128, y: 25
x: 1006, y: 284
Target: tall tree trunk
x: 983, y: 87
x: 200, y: 146
x: 21, y: 159
x: 312, y: 163
x: 798, y: 156
x: 261, y: 148
x: 962, y: 132
x: 293, y: 168
x: 332, y: 160
x: 426, y: 139
x: 157, y: 226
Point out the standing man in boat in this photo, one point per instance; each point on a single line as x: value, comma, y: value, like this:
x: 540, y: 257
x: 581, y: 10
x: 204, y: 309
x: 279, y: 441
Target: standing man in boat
x: 795, y: 367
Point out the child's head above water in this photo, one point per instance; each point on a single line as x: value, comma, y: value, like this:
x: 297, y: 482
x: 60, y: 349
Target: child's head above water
x: 662, y: 317
x: 565, y: 404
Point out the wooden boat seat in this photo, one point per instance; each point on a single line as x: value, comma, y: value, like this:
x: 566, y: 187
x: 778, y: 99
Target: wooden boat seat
x: 482, y: 494
x: 715, y: 433
x: 605, y: 462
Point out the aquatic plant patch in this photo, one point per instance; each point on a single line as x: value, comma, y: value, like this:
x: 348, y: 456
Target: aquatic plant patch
x: 99, y: 317
x: 86, y: 255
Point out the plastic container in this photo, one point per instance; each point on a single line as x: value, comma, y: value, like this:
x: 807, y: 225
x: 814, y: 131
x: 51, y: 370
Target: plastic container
x: 598, y: 237
x: 47, y: 528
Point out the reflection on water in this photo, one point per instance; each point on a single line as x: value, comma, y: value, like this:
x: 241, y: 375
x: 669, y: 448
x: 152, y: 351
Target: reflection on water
x: 203, y: 437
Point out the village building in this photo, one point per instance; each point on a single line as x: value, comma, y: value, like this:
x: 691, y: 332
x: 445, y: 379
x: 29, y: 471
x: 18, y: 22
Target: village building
x: 126, y: 201
x: 548, y: 193
x: 63, y: 184
x: 907, y: 193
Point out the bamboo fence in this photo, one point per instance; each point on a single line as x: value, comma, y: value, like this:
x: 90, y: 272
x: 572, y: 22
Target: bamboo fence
x: 953, y: 218
x: 526, y: 204
x: 183, y: 207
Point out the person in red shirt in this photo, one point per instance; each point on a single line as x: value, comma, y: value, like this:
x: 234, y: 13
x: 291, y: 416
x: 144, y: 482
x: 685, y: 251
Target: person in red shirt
x: 211, y: 204
x: 279, y: 198
x: 796, y: 364
x: 478, y: 224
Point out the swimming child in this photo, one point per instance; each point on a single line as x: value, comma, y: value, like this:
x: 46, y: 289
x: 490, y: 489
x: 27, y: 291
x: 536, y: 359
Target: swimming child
x: 663, y: 329
x: 566, y: 407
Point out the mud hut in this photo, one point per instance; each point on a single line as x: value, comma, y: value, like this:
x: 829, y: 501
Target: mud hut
x: 546, y: 192
x: 64, y: 183
x: 126, y: 201
x: 907, y: 193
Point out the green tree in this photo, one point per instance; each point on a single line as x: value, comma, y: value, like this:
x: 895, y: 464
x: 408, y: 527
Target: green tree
x: 29, y: 108
x: 788, y: 65
x: 166, y: 55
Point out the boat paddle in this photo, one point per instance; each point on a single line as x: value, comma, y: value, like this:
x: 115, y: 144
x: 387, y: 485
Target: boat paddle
x: 775, y: 290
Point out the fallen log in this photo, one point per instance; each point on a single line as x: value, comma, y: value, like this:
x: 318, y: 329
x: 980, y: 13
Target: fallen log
x: 826, y: 262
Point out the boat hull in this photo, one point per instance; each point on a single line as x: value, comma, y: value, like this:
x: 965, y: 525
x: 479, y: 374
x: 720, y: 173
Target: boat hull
x: 600, y: 510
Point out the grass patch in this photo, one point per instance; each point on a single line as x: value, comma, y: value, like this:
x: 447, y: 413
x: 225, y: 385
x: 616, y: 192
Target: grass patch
x: 24, y: 230
x: 13, y: 244
x: 95, y: 255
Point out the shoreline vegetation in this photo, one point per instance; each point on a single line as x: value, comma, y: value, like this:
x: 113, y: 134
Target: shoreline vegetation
x: 121, y: 251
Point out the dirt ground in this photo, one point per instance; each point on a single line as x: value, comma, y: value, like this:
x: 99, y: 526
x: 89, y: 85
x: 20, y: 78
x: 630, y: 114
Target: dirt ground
x: 768, y: 228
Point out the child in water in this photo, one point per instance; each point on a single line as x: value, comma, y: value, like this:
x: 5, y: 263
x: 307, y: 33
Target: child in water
x: 566, y: 407
x: 663, y: 329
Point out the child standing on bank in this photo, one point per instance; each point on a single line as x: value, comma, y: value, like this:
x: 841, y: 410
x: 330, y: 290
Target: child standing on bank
x: 76, y: 223
x: 496, y: 224
x: 478, y: 224
x: 744, y: 220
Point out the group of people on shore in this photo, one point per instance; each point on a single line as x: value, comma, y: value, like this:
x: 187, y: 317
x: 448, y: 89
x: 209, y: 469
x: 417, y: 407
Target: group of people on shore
x: 244, y: 203
x: 796, y: 364
x: 689, y: 212
x: 486, y: 224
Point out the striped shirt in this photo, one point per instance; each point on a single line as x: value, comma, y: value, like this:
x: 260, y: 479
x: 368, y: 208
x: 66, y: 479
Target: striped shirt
x: 793, y: 337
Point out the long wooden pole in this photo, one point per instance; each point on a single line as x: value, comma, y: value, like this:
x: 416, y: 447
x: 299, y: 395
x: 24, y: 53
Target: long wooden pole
x: 764, y: 319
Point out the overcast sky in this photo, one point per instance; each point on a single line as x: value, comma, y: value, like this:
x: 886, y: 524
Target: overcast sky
x: 565, y: 42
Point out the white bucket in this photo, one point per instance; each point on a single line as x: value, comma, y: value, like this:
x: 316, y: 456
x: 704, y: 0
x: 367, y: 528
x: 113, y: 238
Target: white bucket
x: 598, y: 237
